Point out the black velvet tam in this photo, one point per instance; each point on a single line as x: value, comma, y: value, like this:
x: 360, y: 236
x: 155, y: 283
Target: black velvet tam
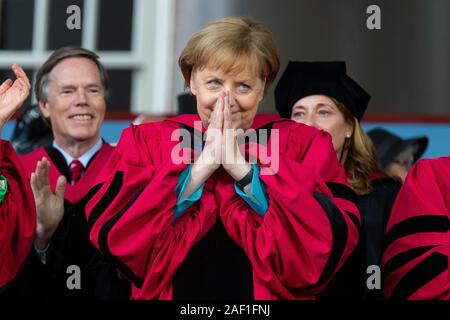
x: 302, y: 79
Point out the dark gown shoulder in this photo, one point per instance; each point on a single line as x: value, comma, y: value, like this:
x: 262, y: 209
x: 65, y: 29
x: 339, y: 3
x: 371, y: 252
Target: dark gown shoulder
x: 349, y: 283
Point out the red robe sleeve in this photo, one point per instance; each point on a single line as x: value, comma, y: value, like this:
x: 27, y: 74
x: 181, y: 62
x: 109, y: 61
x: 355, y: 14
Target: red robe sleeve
x: 17, y: 215
x: 131, y: 216
x: 417, y: 241
x: 311, y: 225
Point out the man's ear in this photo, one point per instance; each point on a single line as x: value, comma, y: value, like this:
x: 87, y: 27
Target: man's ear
x: 44, y: 107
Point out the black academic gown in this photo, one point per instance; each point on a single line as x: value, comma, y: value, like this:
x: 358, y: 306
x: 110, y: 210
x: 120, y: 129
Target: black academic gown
x: 350, y: 283
x: 70, y: 245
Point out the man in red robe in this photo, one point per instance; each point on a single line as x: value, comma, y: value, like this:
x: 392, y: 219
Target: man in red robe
x: 71, y: 88
x: 416, y: 258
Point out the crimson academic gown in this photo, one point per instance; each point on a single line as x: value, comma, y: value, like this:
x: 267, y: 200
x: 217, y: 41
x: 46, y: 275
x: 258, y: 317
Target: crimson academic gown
x: 416, y: 258
x: 17, y: 216
x: 70, y: 244
x: 219, y: 248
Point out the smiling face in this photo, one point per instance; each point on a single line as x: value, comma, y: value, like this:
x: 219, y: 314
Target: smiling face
x: 245, y: 87
x: 75, y: 102
x: 321, y: 112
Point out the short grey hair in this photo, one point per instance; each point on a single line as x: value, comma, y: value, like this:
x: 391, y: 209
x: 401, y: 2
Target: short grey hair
x: 43, y: 74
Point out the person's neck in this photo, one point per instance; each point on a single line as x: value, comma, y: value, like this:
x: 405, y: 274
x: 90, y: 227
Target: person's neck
x: 77, y: 148
x: 339, y: 156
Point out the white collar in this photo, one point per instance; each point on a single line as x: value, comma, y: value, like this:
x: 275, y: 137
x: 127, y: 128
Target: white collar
x: 84, y: 158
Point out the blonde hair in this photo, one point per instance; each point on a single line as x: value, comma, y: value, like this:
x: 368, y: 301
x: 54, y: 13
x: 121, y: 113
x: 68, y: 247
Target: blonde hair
x: 231, y: 44
x: 358, y: 155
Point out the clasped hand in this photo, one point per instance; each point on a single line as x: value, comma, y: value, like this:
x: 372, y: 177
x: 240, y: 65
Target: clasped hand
x: 221, y: 146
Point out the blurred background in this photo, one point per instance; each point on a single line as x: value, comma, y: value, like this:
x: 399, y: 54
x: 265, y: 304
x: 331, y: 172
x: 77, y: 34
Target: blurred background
x: 405, y: 65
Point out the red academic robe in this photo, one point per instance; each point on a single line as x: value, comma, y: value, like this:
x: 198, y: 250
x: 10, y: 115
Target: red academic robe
x: 17, y: 215
x: 70, y: 243
x: 309, y: 229
x: 416, y: 258
x: 73, y: 193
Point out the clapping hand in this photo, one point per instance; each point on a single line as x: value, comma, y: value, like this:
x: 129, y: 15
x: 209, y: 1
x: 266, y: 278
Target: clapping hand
x: 13, y: 94
x: 49, y: 205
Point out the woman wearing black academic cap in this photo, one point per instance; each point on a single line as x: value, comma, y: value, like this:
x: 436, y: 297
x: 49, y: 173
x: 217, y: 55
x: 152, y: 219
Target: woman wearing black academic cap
x: 322, y: 95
